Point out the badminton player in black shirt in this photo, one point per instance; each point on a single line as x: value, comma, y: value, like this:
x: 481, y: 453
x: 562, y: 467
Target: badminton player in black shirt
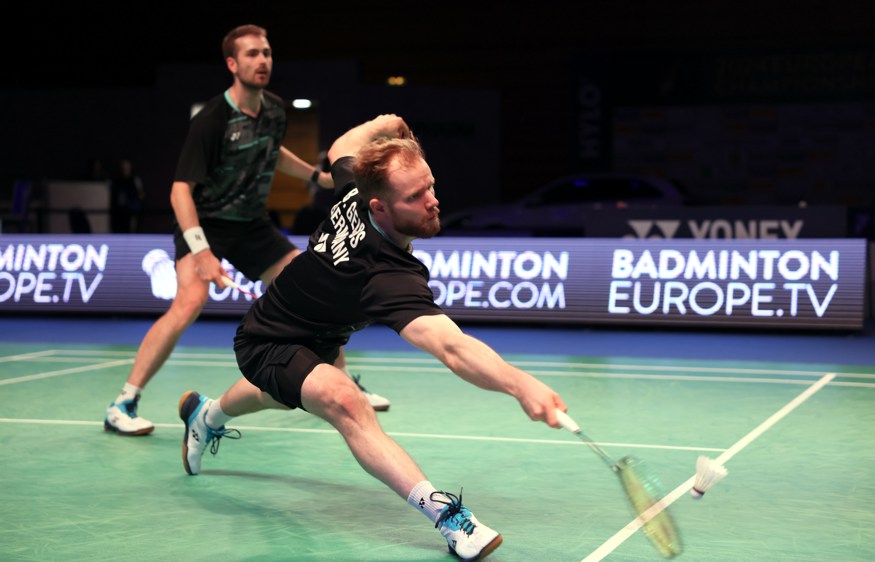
x: 358, y: 269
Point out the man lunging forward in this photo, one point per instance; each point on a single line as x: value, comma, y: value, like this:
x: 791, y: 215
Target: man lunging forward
x: 358, y: 269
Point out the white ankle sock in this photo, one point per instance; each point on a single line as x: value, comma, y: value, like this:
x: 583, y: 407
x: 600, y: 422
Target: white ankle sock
x: 420, y: 498
x: 129, y: 392
x: 216, y: 417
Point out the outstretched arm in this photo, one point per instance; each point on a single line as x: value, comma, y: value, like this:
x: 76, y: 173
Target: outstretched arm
x: 479, y: 364
x: 350, y: 142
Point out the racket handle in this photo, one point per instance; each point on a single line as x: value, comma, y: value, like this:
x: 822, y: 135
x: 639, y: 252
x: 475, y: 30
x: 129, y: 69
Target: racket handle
x: 230, y: 282
x: 566, y: 422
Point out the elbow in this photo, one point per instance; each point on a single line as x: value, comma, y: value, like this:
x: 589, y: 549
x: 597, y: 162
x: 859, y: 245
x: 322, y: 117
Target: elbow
x: 177, y: 194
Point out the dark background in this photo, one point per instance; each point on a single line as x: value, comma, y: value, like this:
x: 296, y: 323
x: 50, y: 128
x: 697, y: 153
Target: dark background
x: 87, y: 80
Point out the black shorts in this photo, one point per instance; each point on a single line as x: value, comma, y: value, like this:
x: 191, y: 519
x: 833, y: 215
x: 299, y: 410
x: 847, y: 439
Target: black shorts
x: 252, y: 246
x: 278, y: 368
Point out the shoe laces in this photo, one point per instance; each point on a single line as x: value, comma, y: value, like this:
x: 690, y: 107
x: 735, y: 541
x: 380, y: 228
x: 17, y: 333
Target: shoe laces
x: 216, y: 434
x: 454, y: 511
x: 355, y: 379
x: 130, y: 406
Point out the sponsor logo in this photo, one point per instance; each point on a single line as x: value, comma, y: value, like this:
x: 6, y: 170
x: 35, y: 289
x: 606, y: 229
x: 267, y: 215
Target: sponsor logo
x: 718, y: 228
x: 761, y: 283
x: 497, y: 279
x: 51, y: 273
x: 322, y: 243
x: 162, y: 278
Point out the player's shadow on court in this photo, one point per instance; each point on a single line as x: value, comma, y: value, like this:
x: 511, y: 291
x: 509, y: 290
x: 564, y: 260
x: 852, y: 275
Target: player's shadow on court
x: 292, y: 506
x: 306, y: 499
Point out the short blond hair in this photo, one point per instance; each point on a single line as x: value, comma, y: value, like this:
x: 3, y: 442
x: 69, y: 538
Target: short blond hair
x: 372, y: 163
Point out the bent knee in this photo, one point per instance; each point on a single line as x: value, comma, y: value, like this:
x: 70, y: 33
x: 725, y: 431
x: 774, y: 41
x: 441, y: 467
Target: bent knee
x: 333, y: 394
x: 348, y: 402
x: 187, y: 307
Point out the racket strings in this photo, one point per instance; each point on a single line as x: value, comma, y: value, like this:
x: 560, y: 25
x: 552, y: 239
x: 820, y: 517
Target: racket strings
x: 645, y: 490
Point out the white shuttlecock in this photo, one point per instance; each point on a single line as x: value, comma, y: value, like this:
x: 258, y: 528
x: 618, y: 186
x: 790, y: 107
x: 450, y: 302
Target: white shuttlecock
x: 708, y: 473
x: 162, y: 273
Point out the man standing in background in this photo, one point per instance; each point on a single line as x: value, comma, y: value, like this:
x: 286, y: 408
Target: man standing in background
x: 219, y: 199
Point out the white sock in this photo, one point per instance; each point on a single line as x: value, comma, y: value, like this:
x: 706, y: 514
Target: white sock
x: 129, y: 392
x: 420, y: 498
x: 216, y: 417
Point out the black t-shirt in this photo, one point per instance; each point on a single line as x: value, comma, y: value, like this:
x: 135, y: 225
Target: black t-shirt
x: 349, y: 277
x: 231, y: 157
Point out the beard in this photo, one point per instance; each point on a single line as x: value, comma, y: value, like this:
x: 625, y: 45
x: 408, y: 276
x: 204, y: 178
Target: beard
x: 257, y: 82
x: 427, y: 229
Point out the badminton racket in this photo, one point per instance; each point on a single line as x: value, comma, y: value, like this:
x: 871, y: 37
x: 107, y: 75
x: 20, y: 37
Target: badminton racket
x: 643, y: 489
x: 230, y: 283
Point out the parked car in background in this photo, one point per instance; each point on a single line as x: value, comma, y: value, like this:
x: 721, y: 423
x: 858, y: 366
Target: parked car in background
x: 559, y: 208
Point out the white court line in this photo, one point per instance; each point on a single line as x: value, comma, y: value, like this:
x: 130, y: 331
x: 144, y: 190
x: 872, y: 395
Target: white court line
x: 56, y: 359
x: 92, y: 352
x: 595, y: 375
x: 26, y: 356
x: 355, y: 362
x: 563, y: 442
x: 620, y: 537
x: 643, y: 376
x: 231, y: 364
x: 69, y: 371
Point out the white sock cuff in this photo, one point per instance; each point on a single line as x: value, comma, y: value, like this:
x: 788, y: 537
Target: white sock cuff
x: 129, y: 392
x: 216, y: 417
x: 420, y: 498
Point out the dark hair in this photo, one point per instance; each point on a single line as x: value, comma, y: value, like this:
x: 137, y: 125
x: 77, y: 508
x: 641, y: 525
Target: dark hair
x: 372, y: 162
x: 229, y: 43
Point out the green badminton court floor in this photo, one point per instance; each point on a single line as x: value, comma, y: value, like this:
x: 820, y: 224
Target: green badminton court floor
x: 803, y: 489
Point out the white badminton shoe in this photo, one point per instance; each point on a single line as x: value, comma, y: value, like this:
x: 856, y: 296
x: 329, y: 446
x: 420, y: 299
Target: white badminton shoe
x: 193, y: 411
x: 467, y: 537
x: 122, y: 418
x: 376, y: 401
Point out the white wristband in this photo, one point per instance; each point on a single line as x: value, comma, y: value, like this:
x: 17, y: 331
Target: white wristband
x: 196, y: 239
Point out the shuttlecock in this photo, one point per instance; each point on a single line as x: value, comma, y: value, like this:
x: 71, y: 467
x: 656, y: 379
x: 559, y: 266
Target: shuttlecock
x: 708, y: 473
x: 162, y: 273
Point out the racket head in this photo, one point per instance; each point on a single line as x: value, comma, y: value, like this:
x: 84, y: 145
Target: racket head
x: 644, y: 489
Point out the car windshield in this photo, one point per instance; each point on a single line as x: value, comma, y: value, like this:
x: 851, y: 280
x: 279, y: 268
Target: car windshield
x: 594, y: 190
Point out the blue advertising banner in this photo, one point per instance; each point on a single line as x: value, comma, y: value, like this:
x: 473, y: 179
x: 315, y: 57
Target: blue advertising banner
x: 784, y: 284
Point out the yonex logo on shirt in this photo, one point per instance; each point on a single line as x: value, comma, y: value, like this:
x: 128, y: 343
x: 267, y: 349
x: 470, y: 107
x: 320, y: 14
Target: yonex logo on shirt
x: 321, y: 245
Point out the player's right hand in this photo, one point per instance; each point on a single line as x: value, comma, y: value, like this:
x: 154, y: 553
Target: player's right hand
x: 209, y: 268
x: 540, y: 402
